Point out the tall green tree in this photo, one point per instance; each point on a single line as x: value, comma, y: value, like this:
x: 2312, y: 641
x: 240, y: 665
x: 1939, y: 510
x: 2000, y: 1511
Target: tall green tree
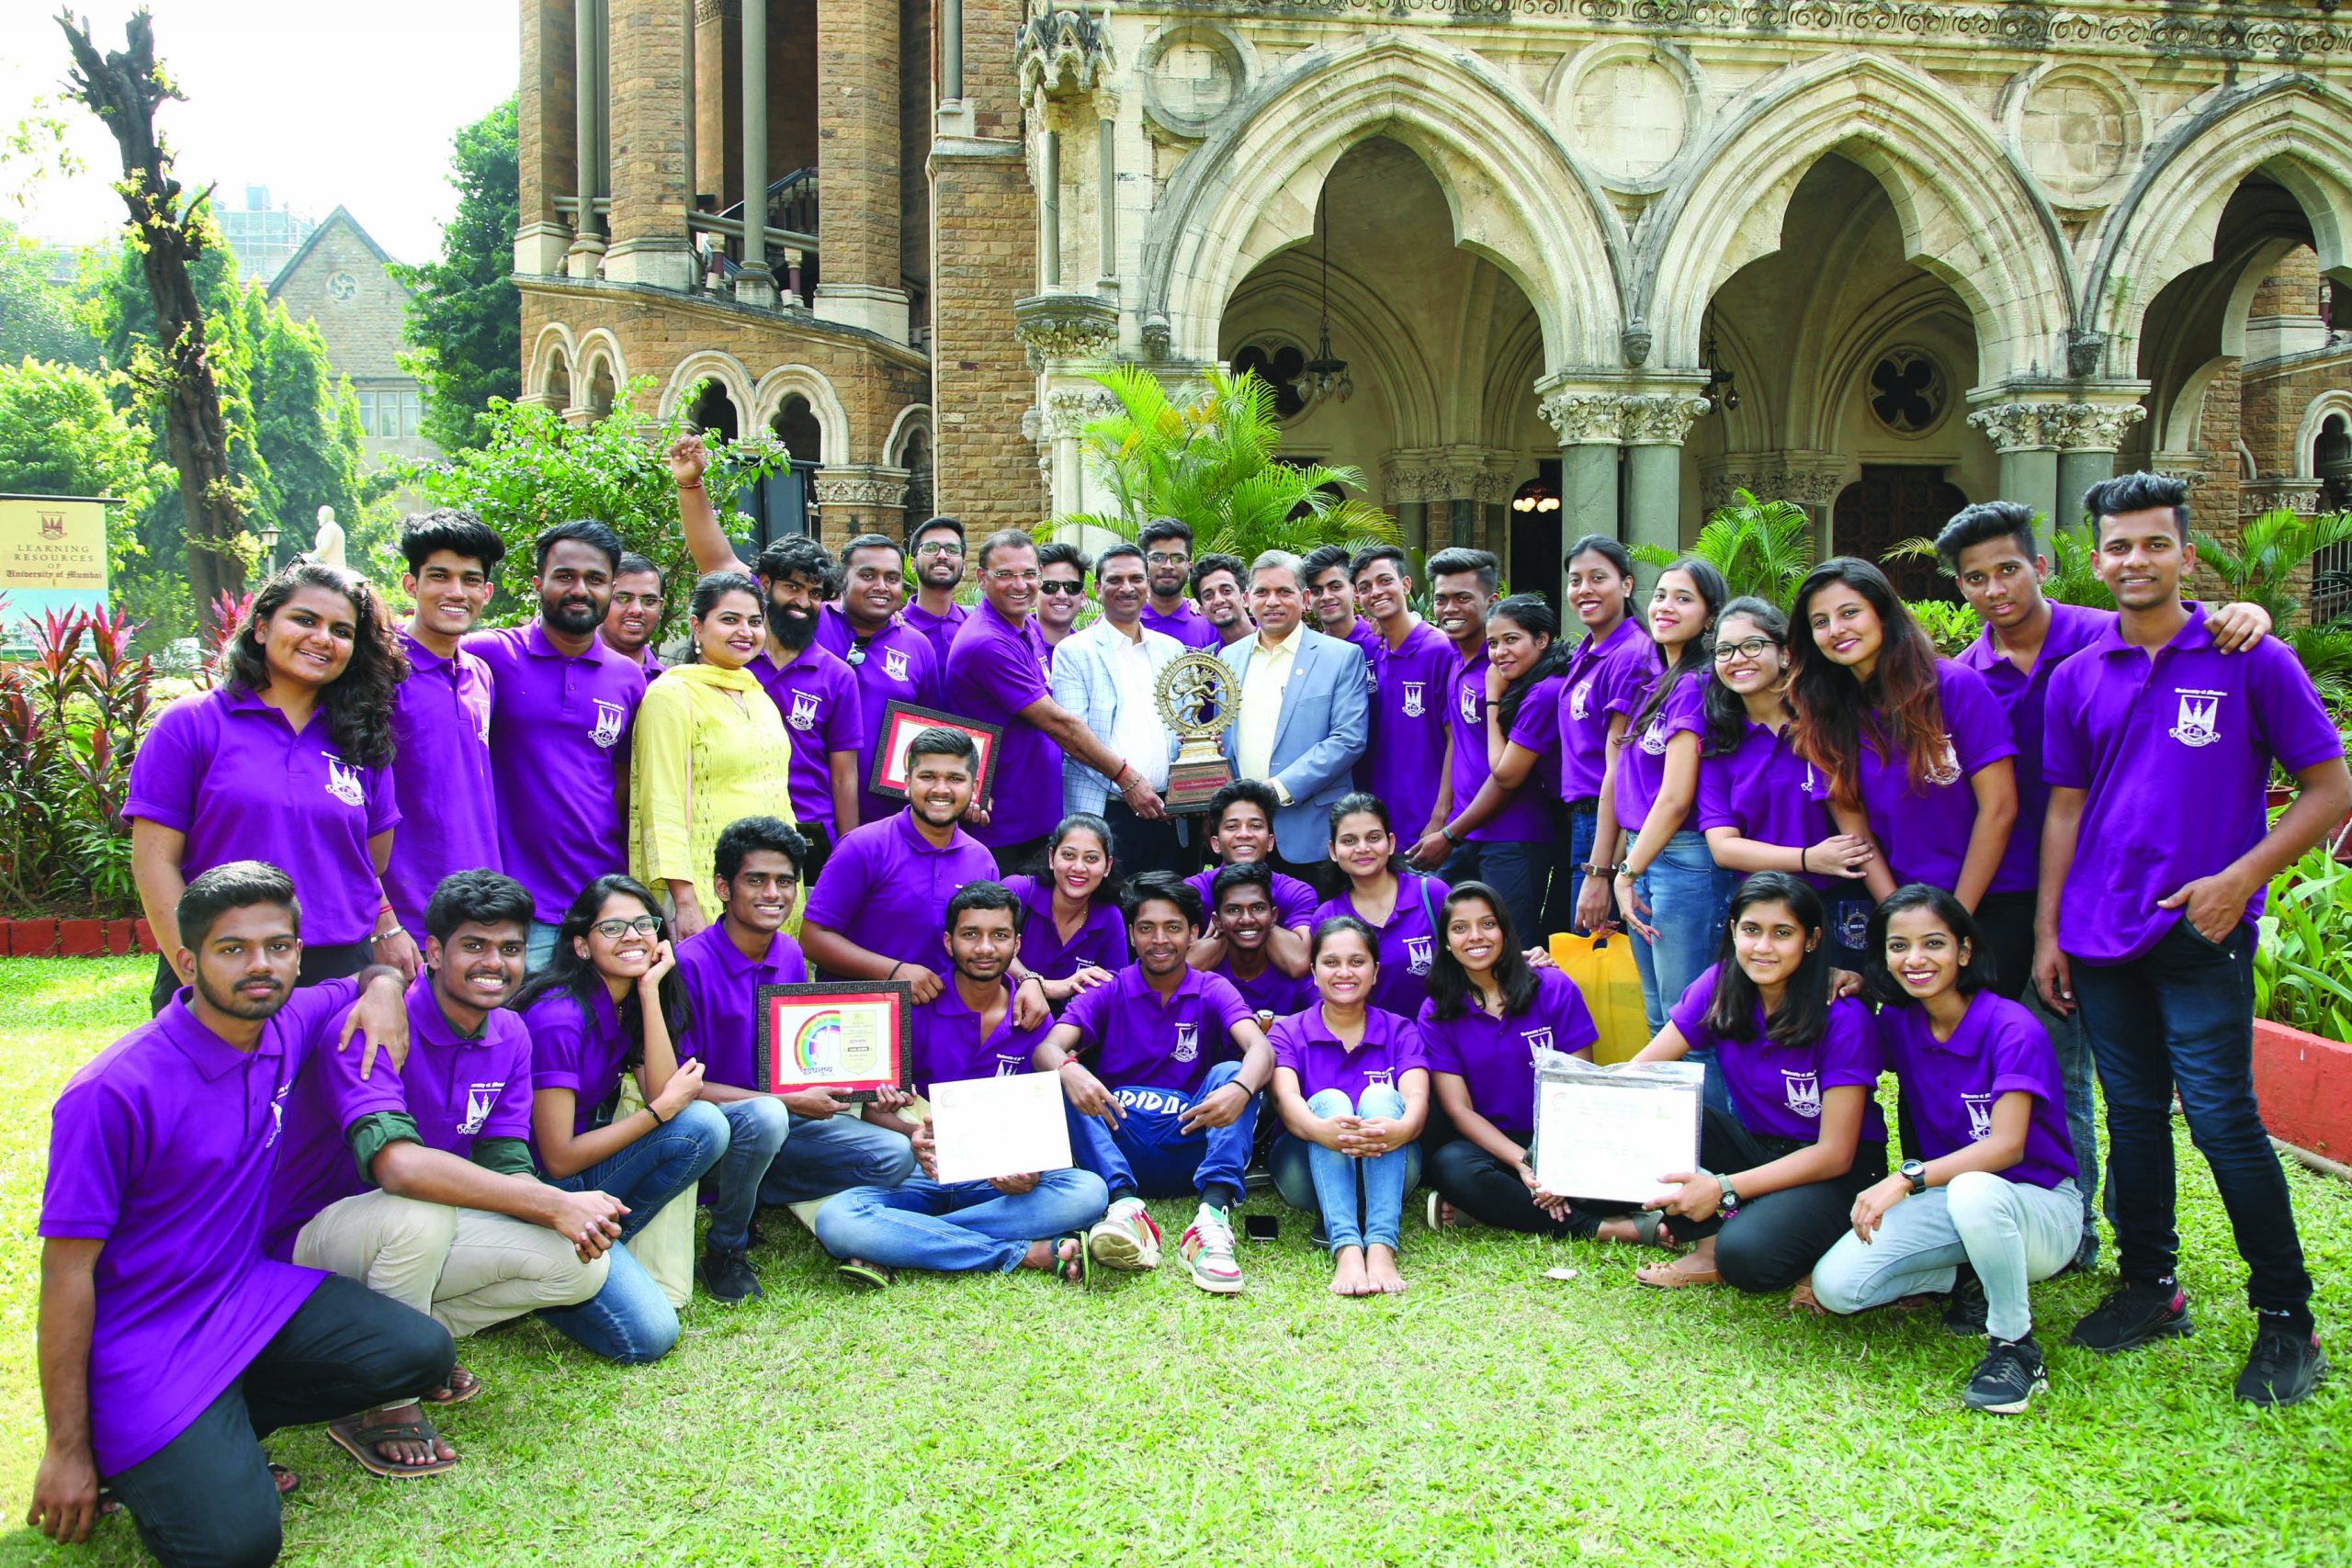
x: 307, y: 438
x: 466, y: 320
x: 61, y: 434
x: 39, y: 320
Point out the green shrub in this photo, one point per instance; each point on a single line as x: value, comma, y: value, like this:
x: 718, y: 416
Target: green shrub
x: 2302, y: 964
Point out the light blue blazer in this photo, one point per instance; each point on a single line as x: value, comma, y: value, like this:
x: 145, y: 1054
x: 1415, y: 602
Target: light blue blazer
x: 1325, y: 721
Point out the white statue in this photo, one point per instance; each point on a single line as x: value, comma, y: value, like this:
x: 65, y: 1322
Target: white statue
x: 328, y: 545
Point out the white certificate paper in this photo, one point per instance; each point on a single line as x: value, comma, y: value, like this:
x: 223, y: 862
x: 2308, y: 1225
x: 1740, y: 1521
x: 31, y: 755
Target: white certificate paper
x: 987, y: 1128
x: 1612, y: 1133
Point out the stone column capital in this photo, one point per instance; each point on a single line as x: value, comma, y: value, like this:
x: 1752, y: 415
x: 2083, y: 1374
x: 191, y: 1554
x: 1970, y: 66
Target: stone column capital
x: 861, y: 485
x: 1582, y: 419
x: 2064, y: 424
x: 1809, y: 478
x: 1661, y: 419
x: 1068, y: 410
x: 1065, y: 326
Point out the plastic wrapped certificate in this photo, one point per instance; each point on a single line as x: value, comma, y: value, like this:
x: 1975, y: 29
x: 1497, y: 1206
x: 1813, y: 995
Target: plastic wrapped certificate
x: 1611, y: 1132
x: 1012, y: 1126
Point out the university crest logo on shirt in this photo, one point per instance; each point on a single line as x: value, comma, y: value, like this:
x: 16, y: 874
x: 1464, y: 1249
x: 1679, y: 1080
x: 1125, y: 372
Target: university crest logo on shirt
x: 344, y: 782
x: 481, y: 1098
x: 894, y: 663
x: 1419, y: 952
x: 1472, y: 702
x: 1539, y: 1045
x: 803, y: 715
x: 611, y: 719
x: 1655, y: 738
x: 1380, y: 1077
x: 1980, y: 1116
x: 1947, y: 768
x: 1804, y: 1093
x: 1011, y: 1066
x: 1580, y: 699
x: 2199, y: 724
x: 1188, y: 1041
x: 276, y: 1115
x: 1416, y: 698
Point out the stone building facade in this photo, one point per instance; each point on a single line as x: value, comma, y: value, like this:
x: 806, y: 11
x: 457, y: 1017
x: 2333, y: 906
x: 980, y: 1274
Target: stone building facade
x: 341, y: 282
x: 1592, y: 264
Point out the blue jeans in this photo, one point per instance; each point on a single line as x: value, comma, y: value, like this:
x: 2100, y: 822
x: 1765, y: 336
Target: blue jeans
x: 1362, y: 1201
x: 1518, y: 872
x: 774, y: 1157
x: 630, y: 1321
x: 1147, y: 1154
x: 2011, y: 1233
x: 1687, y: 896
x: 2181, y: 1015
x: 954, y: 1230
x: 539, y: 946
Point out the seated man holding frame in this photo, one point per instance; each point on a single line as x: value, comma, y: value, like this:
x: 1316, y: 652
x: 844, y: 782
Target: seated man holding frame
x: 1034, y: 1220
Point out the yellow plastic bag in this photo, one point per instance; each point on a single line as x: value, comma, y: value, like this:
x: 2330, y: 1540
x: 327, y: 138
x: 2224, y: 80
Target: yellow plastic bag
x: 1603, y: 967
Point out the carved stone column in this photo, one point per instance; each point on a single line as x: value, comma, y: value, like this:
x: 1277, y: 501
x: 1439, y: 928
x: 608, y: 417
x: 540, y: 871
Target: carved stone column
x: 860, y: 498
x: 1591, y: 427
x: 1057, y: 421
x: 2054, y: 448
x: 1655, y: 425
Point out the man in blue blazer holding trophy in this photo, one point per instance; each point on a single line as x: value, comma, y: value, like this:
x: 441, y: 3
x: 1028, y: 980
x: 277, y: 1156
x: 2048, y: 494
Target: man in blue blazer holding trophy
x: 1304, y: 715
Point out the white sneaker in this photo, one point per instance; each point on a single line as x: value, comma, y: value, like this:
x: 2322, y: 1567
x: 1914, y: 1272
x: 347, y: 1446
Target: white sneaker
x: 1125, y: 1238
x: 1207, y: 1250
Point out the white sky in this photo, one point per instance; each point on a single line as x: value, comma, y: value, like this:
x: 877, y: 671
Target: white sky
x: 326, y: 102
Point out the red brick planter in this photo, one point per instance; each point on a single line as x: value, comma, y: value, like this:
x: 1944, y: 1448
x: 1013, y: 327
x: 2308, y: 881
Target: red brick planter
x: 82, y: 938
x: 142, y: 937
x: 50, y: 938
x: 2305, y: 1087
x: 31, y: 939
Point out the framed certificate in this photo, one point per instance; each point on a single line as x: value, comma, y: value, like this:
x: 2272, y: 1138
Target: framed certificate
x: 848, y: 1036
x: 1603, y: 1132
x: 901, y: 722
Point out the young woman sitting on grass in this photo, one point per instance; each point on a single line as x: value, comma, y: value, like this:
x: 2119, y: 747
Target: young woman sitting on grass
x: 1353, y: 1089
x: 1781, y: 1168
x: 1993, y: 1205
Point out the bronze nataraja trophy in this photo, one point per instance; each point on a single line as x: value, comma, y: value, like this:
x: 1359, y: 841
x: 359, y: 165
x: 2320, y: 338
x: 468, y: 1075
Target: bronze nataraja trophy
x: 1198, y: 696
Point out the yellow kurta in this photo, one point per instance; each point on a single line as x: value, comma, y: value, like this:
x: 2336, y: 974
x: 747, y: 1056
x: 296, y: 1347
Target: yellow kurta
x: 701, y: 758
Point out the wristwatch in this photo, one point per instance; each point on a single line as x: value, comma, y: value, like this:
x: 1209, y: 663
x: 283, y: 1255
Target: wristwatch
x: 1730, y: 1199
x: 1915, y: 1173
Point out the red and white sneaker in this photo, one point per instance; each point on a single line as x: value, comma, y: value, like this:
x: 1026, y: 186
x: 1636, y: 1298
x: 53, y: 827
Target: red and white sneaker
x: 1126, y: 1238
x: 1207, y: 1250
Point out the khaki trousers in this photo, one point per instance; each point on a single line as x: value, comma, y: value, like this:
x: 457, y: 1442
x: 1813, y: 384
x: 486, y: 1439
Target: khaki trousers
x: 466, y: 1269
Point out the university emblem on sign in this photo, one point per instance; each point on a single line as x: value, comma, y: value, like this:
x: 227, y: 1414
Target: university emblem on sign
x: 611, y: 717
x: 344, y: 782
x: 894, y: 663
x: 804, y: 710
x: 1188, y: 1041
x: 53, y: 524
x: 1980, y: 1116
x: 2198, y: 723
x: 1804, y: 1093
x: 1419, y: 951
x: 1416, y: 698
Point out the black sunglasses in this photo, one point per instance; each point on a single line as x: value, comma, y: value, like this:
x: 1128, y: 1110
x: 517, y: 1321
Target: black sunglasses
x: 1055, y: 585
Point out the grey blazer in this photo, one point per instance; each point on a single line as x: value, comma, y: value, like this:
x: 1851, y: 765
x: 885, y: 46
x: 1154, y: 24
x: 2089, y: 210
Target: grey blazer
x: 1325, y: 718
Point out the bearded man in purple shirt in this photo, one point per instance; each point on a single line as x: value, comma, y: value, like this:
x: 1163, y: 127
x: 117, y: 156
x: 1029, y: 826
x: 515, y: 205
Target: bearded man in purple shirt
x: 168, y: 1345
x: 2157, y: 749
x: 938, y: 549
x: 1167, y: 545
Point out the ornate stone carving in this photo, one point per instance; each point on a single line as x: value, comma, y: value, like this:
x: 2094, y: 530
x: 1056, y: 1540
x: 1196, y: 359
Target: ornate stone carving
x: 1586, y: 418
x: 1064, y: 56
x: 1193, y: 73
x: 2067, y: 427
x: 1413, y: 476
x: 2281, y: 495
x: 1065, y: 326
x: 1634, y: 343
x: 1774, y: 476
x: 1157, y: 335
x: 857, y: 485
x: 1069, y: 410
x: 2083, y: 350
x: 1661, y: 419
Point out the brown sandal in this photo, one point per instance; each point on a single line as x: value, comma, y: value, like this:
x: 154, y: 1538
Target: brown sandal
x: 462, y: 1385
x: 1674, y: 1277
x: 356, y: 1437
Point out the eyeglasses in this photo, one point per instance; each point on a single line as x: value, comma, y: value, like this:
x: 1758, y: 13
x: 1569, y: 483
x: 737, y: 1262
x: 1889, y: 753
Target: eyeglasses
x: 1011, y: 574
x: 1745, y: 647
x: 1055, y: 585
x: 1165, y: 559
x: 613, y: 930
x: 937, y: 549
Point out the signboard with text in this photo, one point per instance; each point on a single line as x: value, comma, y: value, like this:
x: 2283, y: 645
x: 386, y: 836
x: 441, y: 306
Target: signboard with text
x: 52, y: 557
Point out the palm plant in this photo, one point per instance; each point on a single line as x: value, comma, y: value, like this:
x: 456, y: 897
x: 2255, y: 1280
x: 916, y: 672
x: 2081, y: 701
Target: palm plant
x: 2271, y: 551
x: 1763, y: 547
x: 2073, y: 579
x: 1210, y: 459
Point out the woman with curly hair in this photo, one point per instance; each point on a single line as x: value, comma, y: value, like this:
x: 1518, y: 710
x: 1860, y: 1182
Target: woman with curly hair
x: 289, y: 760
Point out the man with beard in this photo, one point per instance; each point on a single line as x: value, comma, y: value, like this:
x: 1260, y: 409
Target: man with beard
x: 814, y: 691
x: 1240, y: 948
x: 1168, y: 558
x: 938, y: 549
x: 1331, y: 595
x: 1107, y: 675
x: 1061, y: 594
x: 633, y: 620
x: 559, y: 728
x: 168, y: 1345
x: 416, y: 1180
x: 1171, y: 1103
x: 889, y: 660
x: 967, y: 1031
x: 1217, y: 586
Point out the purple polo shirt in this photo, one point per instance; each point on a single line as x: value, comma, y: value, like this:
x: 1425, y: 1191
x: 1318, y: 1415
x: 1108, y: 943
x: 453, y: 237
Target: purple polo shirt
x: 227, y: 771
x: 723, y: 992
x: 1777, y: 1090
x: 1494, y: 1058
x: 455, y: 1089
x: 1528, y: 817
x: 2174, y: 754
x: 1611, y: 676
x: 1403, y: 764
x: 995, y: 669
x: 937, y: 630
x: 162, y: 1147
x: 649, y: 661
x: 1189, y: 625
x: 1949, y: 1085
x: 2023, y: 695
x: 1270, y: 991
x: 1762, y: 790
x: 949, y: 1047
x: 441, y: 755
x: 899, y: 665
x: 583, y: 1049
x: 1366, y: 635
x: 818, y: 697
x: 1641, y: 762
x: 1407, y: 941
x: 1100, y: 941
x: 559, y: 740
x: 1305, y: 1044
x: 1294, y: 900
x: 1145, y: 1044
x: 886, y: 889
x: 1924, y: 832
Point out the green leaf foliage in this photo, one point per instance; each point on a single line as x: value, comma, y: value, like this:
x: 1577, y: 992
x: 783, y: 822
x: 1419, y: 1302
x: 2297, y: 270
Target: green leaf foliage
x: 1950, y: 626
x: 533, y: 470
x: 61, y: 434
x: 39, y: 320
x: 465, y: 321
x: 1763, y: 547
x: 2302, y: 966
x: 1210, y: 457
x: 2271, y: 555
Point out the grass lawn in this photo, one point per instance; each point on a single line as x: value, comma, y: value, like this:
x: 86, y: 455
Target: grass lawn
x: 1490, y: 1415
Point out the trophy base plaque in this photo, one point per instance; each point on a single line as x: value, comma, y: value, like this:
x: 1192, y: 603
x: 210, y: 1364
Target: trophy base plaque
x: 1192, y: 785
